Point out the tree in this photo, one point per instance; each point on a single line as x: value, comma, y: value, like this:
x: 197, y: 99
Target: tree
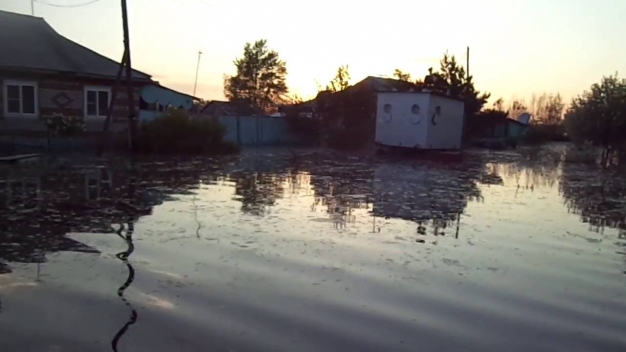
x: 402, y: 76
x: 341, y: 81
x: 451, y: 79
x: 598, y: 116
x: 260, y: 77
x: 547, y: 109
x: 499, y: 105
x: 516, y: 108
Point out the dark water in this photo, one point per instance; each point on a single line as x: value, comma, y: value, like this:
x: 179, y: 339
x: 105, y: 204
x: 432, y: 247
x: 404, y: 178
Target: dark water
x: 279, y: 250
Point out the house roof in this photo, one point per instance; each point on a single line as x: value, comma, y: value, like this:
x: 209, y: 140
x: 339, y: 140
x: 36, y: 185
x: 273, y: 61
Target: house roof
x: 382, y: 84
x: 510, y: 120
x: 29, y: 43
x: 229, y: 108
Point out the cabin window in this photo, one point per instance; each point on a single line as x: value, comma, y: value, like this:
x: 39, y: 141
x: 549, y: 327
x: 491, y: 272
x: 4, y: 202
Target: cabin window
x: 21, y: 98
x: 97, y: 101
x: 415, y: 109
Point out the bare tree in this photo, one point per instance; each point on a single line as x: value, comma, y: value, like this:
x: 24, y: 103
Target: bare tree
x: 341, y: 81
x: 516, y: 108
x: 499, y: 105
x: 547, y: 109
x: 402, y: 76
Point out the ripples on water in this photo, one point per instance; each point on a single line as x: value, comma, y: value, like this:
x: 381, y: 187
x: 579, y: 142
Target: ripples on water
x: 279, y: 250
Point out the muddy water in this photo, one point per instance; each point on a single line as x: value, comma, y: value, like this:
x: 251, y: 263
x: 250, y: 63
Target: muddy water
x: 312, y: 251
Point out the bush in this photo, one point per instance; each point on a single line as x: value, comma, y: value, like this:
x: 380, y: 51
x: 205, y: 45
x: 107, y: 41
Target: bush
x: 177, y: 132
x: 64, y: 126
x: 539, y: 134
x: 585, y: 154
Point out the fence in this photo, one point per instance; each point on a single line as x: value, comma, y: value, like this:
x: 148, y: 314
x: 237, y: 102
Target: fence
x: 258, y: 130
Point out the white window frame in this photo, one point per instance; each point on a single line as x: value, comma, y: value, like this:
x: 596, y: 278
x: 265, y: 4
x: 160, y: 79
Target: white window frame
x: 5, y: 97
x: 96, y: 89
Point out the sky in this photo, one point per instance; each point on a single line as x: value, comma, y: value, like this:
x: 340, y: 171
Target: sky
x: 517, y: 47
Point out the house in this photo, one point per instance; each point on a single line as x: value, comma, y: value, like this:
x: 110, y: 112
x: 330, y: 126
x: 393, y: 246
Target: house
x: 43, y: 73
x: 493, y: 124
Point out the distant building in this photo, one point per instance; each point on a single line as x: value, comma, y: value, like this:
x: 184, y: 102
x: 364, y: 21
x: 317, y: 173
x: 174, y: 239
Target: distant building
x: 218, y: 108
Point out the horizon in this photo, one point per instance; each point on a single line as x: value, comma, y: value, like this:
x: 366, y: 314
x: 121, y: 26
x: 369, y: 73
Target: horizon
x: 561, y: 51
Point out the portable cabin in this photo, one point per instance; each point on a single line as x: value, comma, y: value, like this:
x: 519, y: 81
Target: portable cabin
x: 422, y: 120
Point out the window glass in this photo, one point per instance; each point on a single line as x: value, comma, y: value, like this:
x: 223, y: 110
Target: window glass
x: 28, y: 99
x: 103, y: 103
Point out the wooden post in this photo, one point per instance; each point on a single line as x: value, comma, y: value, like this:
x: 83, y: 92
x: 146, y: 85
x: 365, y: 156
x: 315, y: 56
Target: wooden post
x: 107, y: 122
x: 132, y: 123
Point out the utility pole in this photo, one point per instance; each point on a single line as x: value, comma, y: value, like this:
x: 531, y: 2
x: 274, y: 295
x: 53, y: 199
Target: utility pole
x: 468, y: 74
x: 197, y: 69
x: 32, y: 7
x: 132, y: 125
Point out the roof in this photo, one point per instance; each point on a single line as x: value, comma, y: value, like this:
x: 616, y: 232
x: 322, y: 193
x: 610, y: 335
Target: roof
x: 29, y: 43
x: 382, y: 84
x: 229, y: 108
x: 517, y: 122
x: 425, y: 92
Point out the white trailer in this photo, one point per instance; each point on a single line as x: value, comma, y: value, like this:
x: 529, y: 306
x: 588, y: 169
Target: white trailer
x: 422, y: 120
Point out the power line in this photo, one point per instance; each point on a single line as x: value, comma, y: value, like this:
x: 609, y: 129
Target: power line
x: 68, y: 5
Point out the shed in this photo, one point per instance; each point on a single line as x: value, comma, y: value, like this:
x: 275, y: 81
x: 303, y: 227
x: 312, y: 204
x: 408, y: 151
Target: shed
x: 422, y: 120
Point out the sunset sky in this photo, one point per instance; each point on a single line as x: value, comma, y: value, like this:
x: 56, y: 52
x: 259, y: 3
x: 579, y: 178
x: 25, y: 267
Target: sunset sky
x: 518, y: 47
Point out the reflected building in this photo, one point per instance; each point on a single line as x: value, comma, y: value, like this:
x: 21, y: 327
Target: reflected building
x: 40, y: 205
x: 434, y: 197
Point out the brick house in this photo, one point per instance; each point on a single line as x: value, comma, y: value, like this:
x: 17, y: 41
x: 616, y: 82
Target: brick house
x: 43, y: 73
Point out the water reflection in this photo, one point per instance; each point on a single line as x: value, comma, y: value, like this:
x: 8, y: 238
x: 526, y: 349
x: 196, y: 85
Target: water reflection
x: 427, y: 201
x: 434, y: 197
x: 123, y: 256
x: 257, y: 192
x: 597, y: 196
x: 132, y: 213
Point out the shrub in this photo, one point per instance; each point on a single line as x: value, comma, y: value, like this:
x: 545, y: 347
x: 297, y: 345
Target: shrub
x: 177, y: 132
x: 64, y: 126
x: 584, y: 154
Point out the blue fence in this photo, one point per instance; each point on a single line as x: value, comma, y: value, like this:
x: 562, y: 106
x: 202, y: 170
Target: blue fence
x: 257, y: 130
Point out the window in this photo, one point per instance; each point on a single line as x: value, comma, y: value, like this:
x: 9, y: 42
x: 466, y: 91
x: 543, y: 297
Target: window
x: 21, y: 98
x: 417, y: 119
x: 97, y: 101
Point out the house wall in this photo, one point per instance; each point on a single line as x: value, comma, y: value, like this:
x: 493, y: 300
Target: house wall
x: 516, y: 130
x: 59, y: 95
x: 448, y: 130
x: 402, y: 127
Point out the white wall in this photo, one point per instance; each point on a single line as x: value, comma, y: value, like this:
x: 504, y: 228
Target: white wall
x: 447, y: 132
x: 401, y: 127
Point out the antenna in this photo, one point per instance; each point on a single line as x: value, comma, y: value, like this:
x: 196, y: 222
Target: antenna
x: 195, y: 85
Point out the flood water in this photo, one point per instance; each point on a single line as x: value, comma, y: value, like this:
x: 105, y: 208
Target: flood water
x: 305, y: 250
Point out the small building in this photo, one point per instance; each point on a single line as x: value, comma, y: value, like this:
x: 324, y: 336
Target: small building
x: 492, y: 128
x: 43, y: 73
x: 422, y: 120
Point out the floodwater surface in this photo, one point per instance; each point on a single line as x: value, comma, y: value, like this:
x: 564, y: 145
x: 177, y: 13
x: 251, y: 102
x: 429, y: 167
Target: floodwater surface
x: 280, y: 250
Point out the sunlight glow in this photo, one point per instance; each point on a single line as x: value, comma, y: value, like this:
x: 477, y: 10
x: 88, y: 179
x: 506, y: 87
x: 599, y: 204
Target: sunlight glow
x: 518, y: 47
